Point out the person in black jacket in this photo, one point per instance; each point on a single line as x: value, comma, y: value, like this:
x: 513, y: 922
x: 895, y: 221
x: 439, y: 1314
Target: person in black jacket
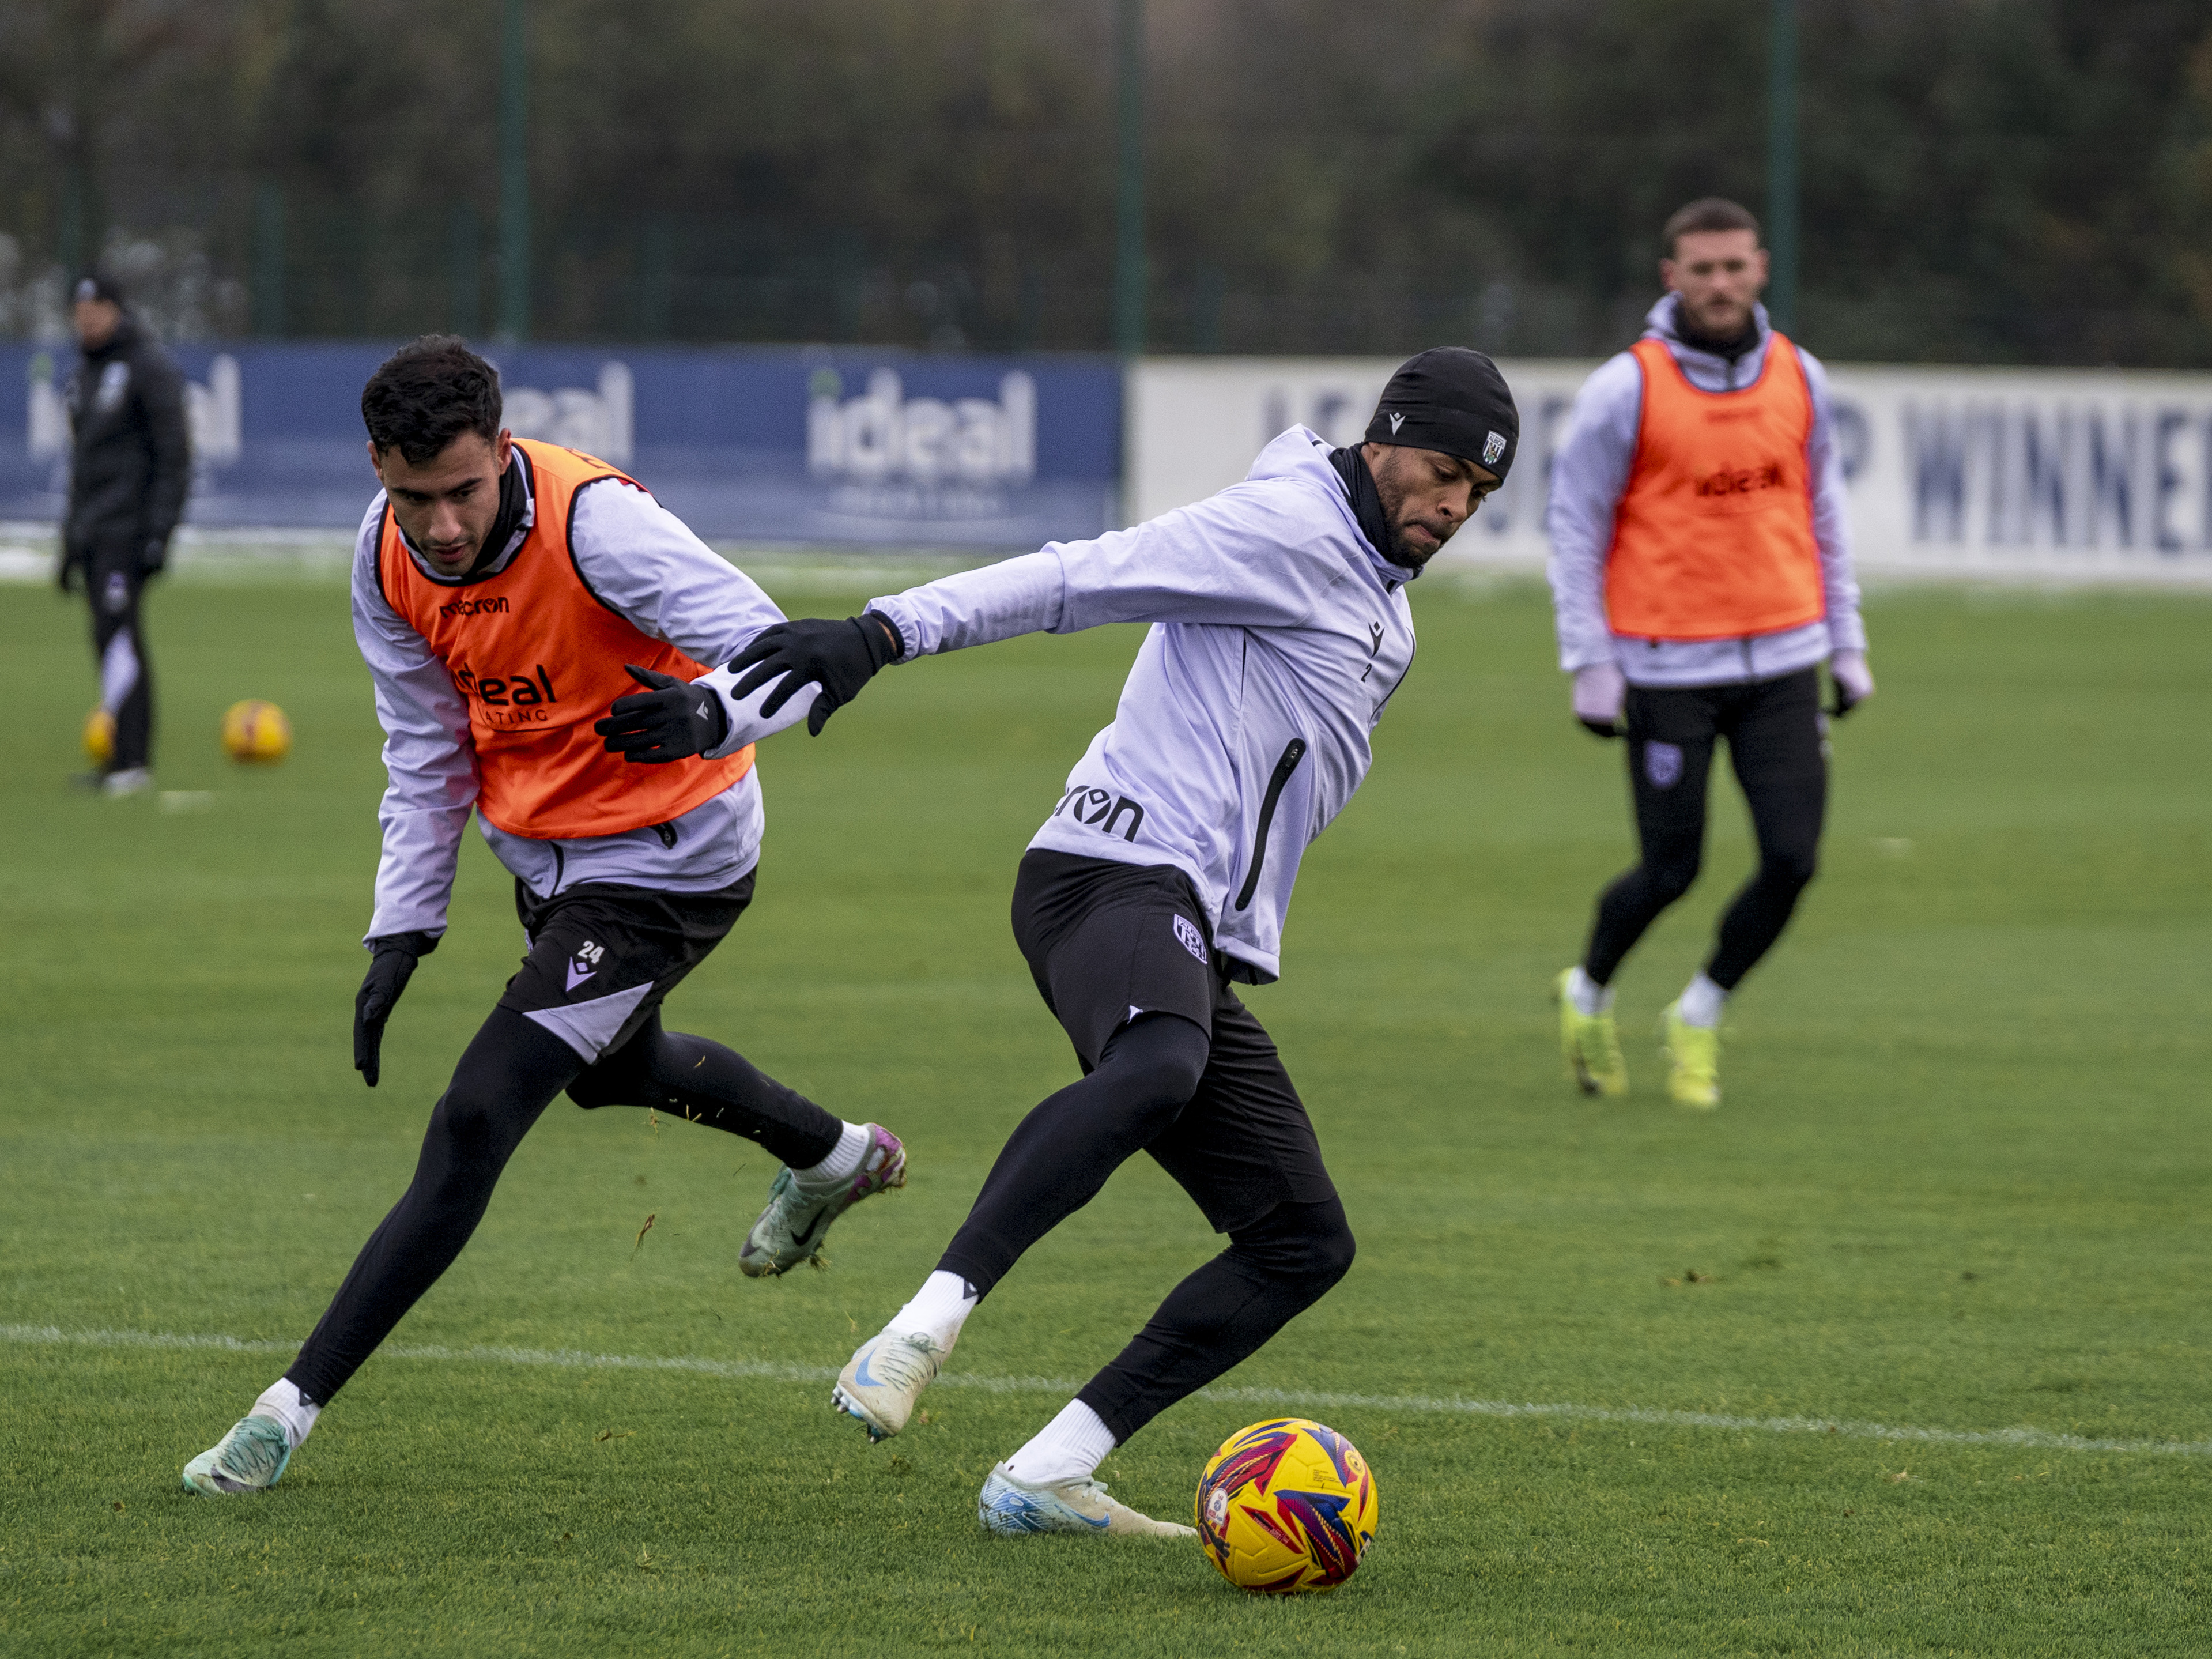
x: 131, y: 467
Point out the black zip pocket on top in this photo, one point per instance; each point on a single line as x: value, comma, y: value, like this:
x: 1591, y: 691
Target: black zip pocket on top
x: 1292, y: 755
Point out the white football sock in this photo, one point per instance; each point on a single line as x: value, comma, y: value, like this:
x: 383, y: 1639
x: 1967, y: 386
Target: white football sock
x: 842, y: 1163
x: 1069, y: 1448
x: 938, y: 1309
x: 282, y: 1401
x: 1588, y: 996
x: 1701, y: 1003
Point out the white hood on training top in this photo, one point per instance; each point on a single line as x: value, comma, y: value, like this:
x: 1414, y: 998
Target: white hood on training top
x: 1278, y: 635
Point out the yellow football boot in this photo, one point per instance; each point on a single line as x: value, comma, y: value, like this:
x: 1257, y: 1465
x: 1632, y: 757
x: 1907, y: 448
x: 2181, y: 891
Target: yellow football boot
x: 1693, y: 1060
x: 1591, y: 1045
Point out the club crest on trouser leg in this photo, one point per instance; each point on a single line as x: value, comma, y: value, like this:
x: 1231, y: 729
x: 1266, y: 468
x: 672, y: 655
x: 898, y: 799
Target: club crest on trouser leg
x: 1663, y: 764
x: 1193, y: 941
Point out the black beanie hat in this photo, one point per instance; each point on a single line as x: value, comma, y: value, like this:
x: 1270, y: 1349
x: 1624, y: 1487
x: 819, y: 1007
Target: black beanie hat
x: 97, y: 285
x: 1454, y: 400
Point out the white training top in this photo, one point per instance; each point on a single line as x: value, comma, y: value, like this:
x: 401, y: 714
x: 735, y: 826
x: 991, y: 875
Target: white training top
x: 1588, y: 476
x: 1278, y: 635
x: 642, y: 561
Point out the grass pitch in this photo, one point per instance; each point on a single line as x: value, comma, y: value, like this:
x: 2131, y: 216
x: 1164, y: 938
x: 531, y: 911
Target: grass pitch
x: 1958, y: 1184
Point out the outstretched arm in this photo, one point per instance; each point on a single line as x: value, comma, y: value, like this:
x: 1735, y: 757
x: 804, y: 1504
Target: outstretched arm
x: 1260, y: 555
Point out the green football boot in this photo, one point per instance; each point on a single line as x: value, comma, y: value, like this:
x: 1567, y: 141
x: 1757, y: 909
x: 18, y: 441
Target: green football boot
x: 791, y: 1229
x: 250, y: 1458
x: 1693, y: 1060
x: 1591, y: 1045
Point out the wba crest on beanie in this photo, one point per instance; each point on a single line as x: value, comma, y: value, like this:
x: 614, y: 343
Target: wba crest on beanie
x: 1451, y: 399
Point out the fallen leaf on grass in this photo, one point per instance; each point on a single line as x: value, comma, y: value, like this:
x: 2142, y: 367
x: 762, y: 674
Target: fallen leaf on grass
x: 1902, y: 1474
x: 644, y: 1559
x: 610, y: 1434
x: 643, y: 1230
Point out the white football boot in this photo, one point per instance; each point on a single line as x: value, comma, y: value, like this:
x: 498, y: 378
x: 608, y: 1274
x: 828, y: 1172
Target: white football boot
x: 1011, y: 1507
x: 881, y: 1382
x: 250, y: 1458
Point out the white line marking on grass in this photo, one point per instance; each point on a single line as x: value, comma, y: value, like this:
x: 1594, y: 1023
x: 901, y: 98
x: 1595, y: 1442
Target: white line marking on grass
x: 782, y: 1371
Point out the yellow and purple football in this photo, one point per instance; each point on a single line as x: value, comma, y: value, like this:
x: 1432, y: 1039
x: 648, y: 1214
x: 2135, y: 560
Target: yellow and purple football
x: 99, y: 737
x: 256, y: 732
x: 1287, y: 1505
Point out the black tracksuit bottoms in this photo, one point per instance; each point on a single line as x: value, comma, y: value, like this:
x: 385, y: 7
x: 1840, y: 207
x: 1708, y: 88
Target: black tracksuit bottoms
x: 1175, y: 1066
x: 515, y: 1066
x: 115, y: 583
x: 1773, y: 729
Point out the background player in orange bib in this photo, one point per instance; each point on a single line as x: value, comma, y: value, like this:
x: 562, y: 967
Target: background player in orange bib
x: 511, y: 599
x: 1700, y: 573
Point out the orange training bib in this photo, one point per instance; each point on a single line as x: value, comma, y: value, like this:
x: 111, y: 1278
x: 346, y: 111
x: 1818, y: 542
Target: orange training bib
x: 1713, y: 537
x: 538, y: 656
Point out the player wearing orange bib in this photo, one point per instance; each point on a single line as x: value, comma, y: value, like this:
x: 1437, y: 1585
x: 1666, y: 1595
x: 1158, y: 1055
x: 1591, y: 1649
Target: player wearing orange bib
x: 1700, y: 573
x: 511, y: 599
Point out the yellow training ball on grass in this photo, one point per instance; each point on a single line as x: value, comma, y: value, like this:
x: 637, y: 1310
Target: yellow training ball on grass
x: 1287, y: 1505
x: 100, y: 736
x: 256, y: 731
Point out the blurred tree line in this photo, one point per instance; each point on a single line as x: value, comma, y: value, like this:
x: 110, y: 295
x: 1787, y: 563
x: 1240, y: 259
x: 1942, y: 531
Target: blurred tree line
x: 1996, y: 180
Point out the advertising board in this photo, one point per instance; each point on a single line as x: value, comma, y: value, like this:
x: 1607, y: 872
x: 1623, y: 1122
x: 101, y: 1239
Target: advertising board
x: 2065, y: 474
x: 2069, y: 474
x: 772, y: 444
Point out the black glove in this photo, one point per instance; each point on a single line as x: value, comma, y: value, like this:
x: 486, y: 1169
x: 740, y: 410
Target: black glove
x: 154, y: 557
x: 389, y: 969
x: 67, y: 571
x: 673, y: 720
x: 840, y: 657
